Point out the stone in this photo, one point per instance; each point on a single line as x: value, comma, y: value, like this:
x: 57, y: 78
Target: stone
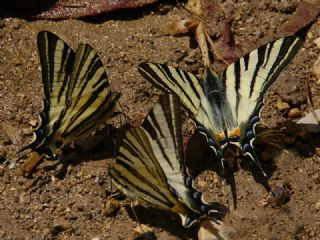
x: 294, y: 112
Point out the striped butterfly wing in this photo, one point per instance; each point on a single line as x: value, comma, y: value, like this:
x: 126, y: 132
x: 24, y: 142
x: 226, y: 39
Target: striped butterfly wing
x: 227, y: 108
x: 150, y: 165
x: 247, y: 81
x: 187, y: 87
x: 78, y: 98
x: 90, y: 99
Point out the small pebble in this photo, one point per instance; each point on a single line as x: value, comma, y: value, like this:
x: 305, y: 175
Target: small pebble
x: 143, y: 231
x: 317, y: 42
x: 60, y: 225
x: 27, y: 132
x: 33, y: 122
x: 283, y: 106
x: 294, y: 112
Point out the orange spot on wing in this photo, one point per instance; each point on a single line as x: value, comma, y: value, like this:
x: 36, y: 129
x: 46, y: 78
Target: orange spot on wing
x: 235, y: 132
x: 232, y: 133
x: 220, y: 136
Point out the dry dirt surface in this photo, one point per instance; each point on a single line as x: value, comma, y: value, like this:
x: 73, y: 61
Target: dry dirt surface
x: 72, y: 203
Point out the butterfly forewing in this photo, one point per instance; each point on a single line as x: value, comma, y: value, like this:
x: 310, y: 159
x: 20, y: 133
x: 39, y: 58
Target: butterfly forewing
x: 90, y: 99
x: 248, y: 79
x: 173, y: 80
x: 56, y: 59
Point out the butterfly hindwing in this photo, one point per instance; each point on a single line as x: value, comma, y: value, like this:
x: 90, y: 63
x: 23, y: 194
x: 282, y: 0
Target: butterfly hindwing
x: 90, y: 99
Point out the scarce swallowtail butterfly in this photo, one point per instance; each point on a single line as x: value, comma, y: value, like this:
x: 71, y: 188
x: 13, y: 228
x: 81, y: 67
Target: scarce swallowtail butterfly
x: 150, y: 166
x: 226, y: 108
x: 77, y: 95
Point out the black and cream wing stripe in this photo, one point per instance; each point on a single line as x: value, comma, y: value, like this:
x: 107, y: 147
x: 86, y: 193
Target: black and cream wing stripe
x: 248, y: 79
x: 176, y: 81
x: 183, y: 84
x: 78, y: 98
x: 150, y: 164
x: 56, y: 59
x: 90, y: 99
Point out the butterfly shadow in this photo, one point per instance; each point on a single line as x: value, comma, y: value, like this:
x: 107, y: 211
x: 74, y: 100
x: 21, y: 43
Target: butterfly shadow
x: 100, y: 146
x: 127, y: 14
x: 162, y: 219
x: 200, y: 157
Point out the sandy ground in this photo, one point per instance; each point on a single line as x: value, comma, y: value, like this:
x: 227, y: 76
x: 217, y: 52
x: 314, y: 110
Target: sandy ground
x: 75, y: 206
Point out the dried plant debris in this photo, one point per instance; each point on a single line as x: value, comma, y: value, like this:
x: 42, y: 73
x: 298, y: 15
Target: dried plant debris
x: 143, y: 232
x: 207, y: 14
x: 69, y: 9
x: 210, y: 230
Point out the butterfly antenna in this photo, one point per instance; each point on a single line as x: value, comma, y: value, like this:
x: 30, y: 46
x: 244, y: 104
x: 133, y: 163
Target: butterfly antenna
x: 123, y: 112
x: 119, y: 103
x: 179, y: 4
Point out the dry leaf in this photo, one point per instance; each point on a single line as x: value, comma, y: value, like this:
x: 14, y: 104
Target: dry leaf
x: 306, y: 12
x: 180, y: 27
x: 210, y: 230
x: 194, y: 6
x: 143, y: 231
x: 69, y: 9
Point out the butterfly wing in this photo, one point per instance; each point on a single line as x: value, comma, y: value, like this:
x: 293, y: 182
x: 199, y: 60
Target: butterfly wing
x: 90, y: 101
x: 78, y: 98
x: 248, y: 79
x: 150, y: 164
x: 187, y: 87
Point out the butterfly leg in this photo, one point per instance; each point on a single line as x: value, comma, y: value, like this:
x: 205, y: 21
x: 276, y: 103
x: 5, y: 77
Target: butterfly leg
x: 248, y: 150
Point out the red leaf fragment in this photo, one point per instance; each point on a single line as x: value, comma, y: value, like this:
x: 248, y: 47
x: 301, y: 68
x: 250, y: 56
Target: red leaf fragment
x: 69, y: 9
x: 306, y: 13
x: 228, y: 51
